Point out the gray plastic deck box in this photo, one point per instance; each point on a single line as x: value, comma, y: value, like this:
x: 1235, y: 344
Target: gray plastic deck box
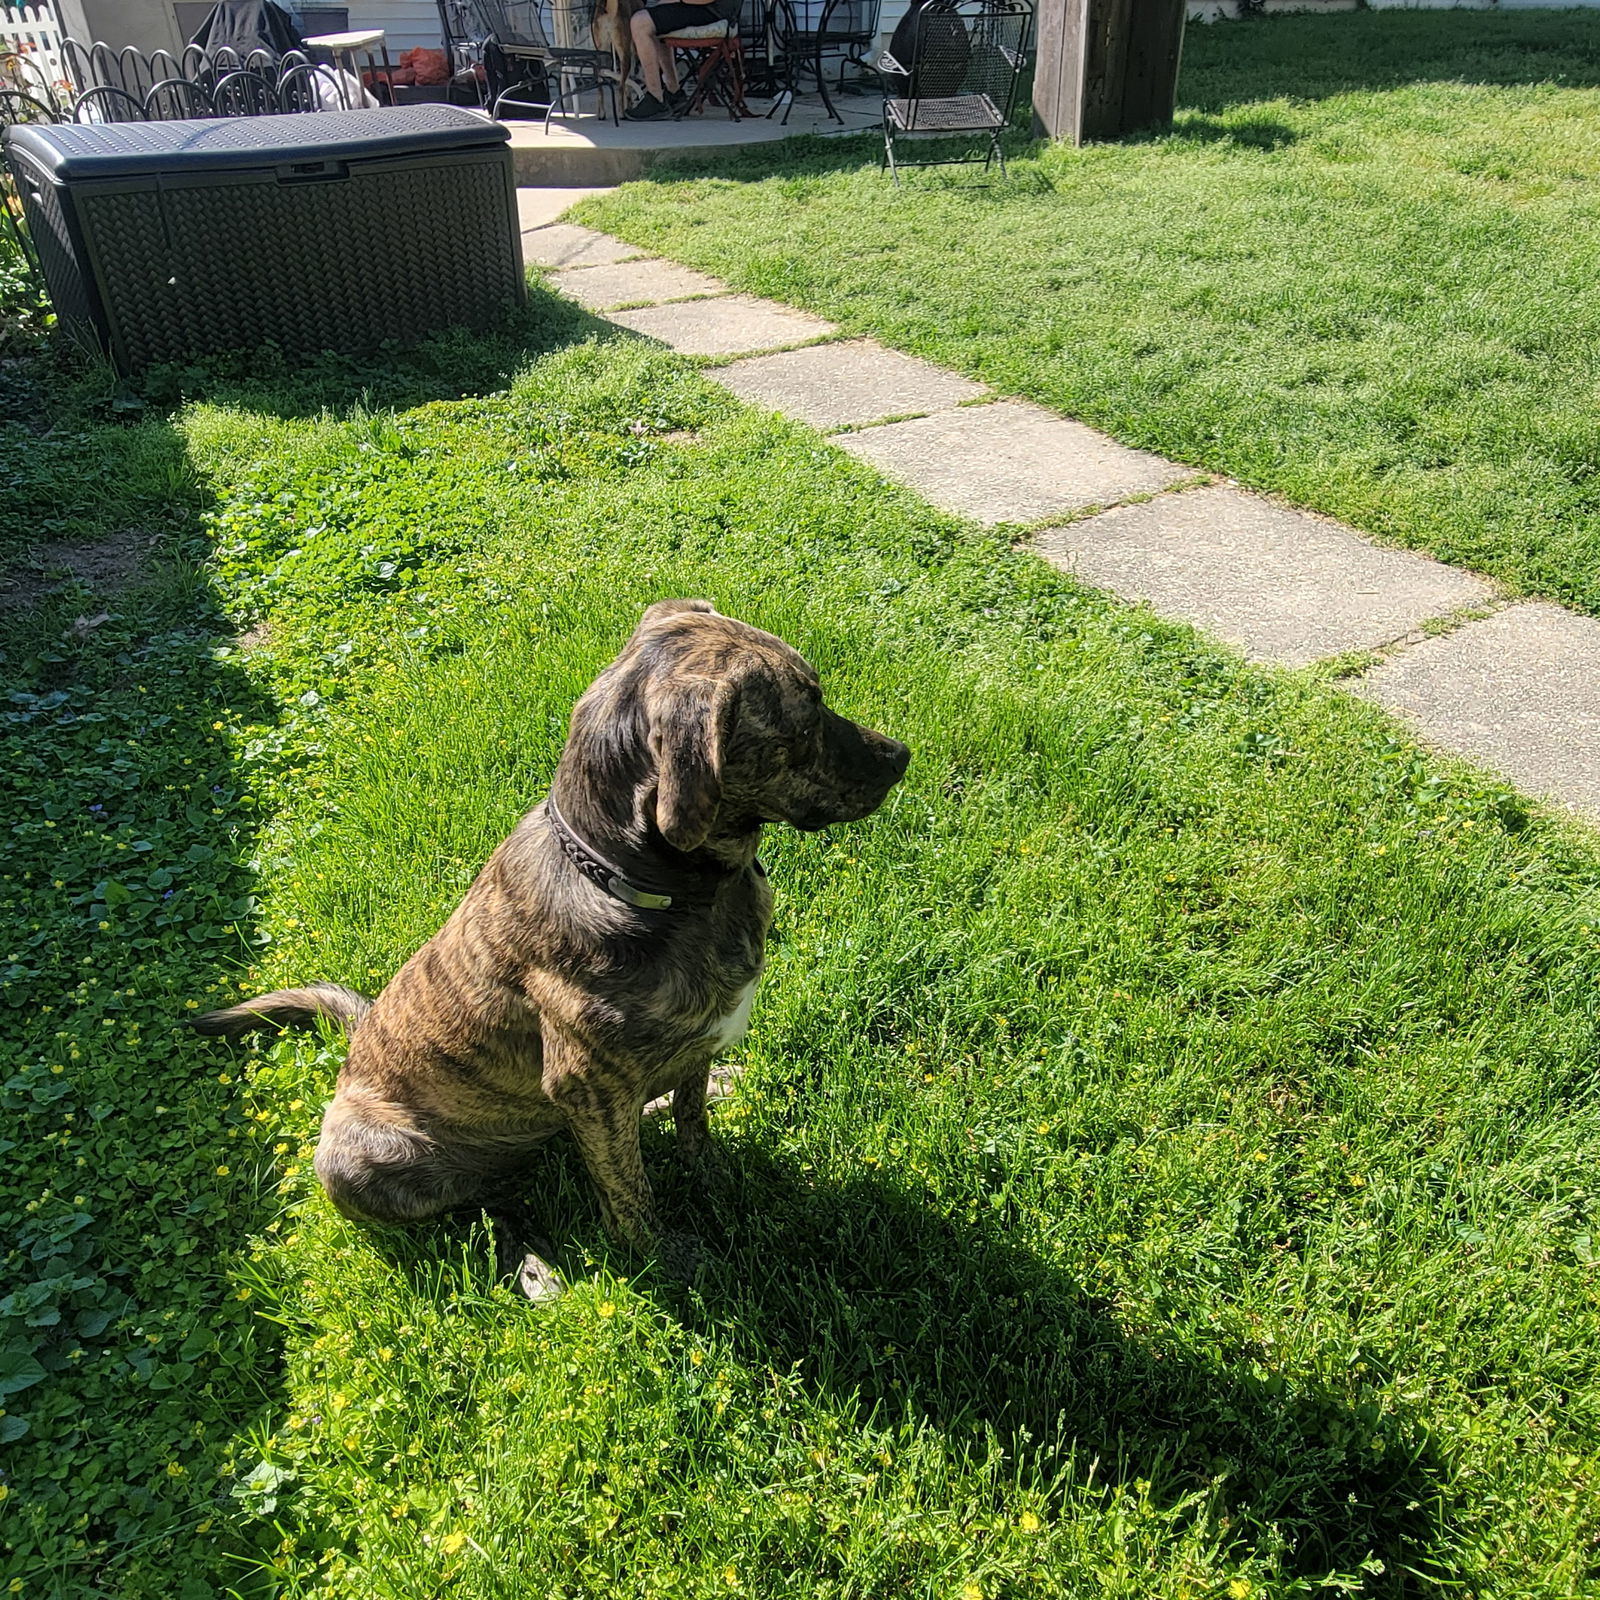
x: 333, y: 230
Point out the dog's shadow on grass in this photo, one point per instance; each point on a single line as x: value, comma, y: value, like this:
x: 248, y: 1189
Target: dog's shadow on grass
x: 884, y: 1302
x: 894, y: 1310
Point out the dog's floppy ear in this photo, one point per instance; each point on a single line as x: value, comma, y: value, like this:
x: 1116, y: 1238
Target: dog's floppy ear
x: 688, y: 733
x: 671, y: 608
x: 659, y: 612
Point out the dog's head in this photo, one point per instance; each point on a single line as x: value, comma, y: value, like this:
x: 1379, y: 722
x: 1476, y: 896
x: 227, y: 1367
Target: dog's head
x: 720, y: 727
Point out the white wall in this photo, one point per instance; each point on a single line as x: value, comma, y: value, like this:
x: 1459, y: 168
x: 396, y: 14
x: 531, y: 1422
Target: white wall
x: 407, y: 23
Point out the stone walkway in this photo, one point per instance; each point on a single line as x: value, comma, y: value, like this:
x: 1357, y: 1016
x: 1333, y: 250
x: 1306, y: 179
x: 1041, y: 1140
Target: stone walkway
x: 1512, y: 686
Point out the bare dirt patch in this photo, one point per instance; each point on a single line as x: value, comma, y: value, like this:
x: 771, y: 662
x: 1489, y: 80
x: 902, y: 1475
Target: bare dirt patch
x: 104, y: 566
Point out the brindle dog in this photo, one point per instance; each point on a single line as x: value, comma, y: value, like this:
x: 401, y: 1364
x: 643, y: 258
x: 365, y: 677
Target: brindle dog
x: 611, y: 28
x: 610, y: 948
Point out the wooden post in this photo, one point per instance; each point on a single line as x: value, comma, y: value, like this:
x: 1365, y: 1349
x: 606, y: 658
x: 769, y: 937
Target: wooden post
x: 1106, y: 68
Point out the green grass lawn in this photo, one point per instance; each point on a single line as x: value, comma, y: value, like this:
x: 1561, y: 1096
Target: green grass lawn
x: 1361, y: 273
x: 1166, y: 1160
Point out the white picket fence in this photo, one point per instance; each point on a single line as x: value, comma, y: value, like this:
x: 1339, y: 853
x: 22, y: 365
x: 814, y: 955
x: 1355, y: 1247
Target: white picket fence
x: 34, y: 33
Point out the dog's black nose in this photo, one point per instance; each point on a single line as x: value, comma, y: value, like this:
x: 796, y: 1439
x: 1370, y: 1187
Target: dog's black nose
x: 898, y: 756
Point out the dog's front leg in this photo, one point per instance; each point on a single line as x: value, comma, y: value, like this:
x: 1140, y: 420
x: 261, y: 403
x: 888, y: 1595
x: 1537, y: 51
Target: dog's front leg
x: 689, y: 1118
x: 608, y: 1137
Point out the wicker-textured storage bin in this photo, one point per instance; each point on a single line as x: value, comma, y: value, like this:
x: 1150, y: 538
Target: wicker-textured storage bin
x: 333, y: 230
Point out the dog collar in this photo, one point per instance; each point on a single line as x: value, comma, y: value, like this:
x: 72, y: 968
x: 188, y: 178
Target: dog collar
x: 597, y: 869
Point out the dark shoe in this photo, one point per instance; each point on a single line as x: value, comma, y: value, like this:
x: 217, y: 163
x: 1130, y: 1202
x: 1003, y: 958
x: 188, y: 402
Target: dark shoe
x: 677, y: 99
x: 644, y: 110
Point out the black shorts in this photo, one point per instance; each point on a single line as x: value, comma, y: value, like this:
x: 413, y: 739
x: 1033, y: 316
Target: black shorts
x: 675, y: 14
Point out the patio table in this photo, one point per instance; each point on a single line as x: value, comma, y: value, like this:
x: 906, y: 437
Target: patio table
x: 344, y: 48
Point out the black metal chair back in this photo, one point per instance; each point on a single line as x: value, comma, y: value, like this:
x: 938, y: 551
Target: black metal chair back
x: 309, y: 87
x: 21, y: 73
x: 965, y: 61
x: 244, y: 94
x: 17, y: 107
x: 176, y: 100
x: 107, y: 103
x: 553, y: 34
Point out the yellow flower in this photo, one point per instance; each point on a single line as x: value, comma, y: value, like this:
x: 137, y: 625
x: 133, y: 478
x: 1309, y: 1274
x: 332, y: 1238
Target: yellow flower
x: 453, y: 1543
x: 1238, y: 1589
x: 1028, y: 1522
x: 340, y: 1402
x: 206, y: 1526
x: 608, y: 1309
x: 730, y: 1576
x: 222, y: 1171
x: 174, y: 1469
x: 973, y: 1591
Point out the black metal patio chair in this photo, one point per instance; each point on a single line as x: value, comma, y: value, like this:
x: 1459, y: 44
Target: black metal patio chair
x: 958, y: 78
x: 17, y: 107
x: 309, y: 87
x: 22, y: 73
x: 806, y: 31
x: 244, y: 94
x: 535, y: 53
x: 106, y: 103
x: 176, y: 100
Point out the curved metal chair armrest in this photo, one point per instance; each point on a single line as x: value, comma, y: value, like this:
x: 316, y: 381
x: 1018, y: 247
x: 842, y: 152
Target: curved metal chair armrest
x: 887, y: 63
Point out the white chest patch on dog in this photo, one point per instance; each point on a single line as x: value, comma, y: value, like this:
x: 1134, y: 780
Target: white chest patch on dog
x: 725, y: 1032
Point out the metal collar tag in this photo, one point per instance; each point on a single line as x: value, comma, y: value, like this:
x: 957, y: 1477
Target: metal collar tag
x: 642, y: 898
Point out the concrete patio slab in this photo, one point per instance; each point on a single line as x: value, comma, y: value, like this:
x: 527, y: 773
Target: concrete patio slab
x: 732, y: 325
x: 1009, y: 462
x: 831, y: 385
x: 633, y: 282
x: 537, y: 207
x: 1518, y: 692
x: 1281, y: 584
x: 565, y: 244
x: 590, y: 151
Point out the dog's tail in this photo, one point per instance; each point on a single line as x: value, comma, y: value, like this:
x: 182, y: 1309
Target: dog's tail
x: 287, y: 1008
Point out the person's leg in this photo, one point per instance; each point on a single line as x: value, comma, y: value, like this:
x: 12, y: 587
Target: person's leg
x: 655, y: 59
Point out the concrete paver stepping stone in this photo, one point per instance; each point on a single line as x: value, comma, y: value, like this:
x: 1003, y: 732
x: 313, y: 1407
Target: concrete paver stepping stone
x: 1281, y: 584
x: 536, y: 207
x: 1010, y: 462
x: 633, y: 282
x: 1518, y: 691
x: 732, y: 325
x: 831, y: 385
x: 565, y: 244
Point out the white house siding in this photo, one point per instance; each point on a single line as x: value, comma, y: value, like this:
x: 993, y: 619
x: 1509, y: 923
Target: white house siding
x: 407, y: 24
